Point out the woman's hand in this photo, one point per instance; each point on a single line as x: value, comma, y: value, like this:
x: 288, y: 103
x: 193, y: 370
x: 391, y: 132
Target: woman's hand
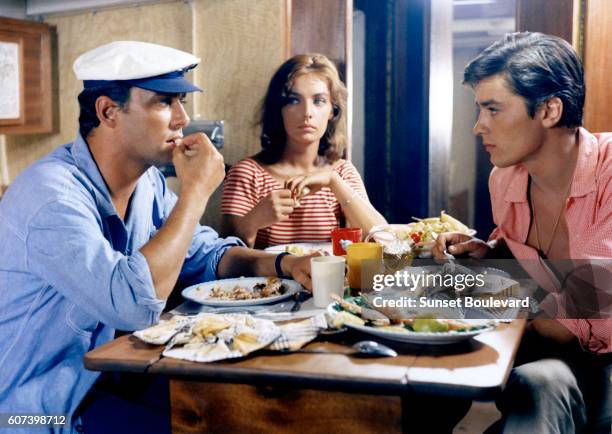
x: 310, y: 182
x: 357, y: 210
x: 274, y: 208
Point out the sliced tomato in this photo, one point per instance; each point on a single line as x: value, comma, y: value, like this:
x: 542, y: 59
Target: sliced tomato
x: 416, y: 236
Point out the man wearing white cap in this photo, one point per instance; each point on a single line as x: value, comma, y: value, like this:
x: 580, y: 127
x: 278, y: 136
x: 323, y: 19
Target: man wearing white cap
x: 91, y: 238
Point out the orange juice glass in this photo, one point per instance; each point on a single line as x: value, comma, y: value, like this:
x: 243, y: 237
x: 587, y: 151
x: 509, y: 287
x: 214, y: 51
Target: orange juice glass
x: 356, y: 253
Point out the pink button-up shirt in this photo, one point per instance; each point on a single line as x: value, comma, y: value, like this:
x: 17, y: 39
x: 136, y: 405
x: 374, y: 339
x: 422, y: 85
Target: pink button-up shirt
x: 588, y: 213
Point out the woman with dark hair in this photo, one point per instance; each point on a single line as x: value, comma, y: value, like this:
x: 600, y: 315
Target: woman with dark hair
x: 298, y: 188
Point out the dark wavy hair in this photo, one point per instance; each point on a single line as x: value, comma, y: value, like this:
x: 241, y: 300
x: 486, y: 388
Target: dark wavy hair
x: 88, y: 119
x: 273, y: 135
x: 537, y: 67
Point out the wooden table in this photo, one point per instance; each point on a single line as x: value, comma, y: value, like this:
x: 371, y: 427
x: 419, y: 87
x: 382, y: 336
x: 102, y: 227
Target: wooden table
x: 261, y: 393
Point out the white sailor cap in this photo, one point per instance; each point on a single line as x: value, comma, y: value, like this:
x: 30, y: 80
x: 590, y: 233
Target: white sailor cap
x: 140, y: 64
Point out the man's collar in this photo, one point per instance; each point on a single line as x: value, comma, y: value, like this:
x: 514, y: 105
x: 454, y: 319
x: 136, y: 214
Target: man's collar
x: 517, y: 188
x: 586, y: 165
x: 87, y: 165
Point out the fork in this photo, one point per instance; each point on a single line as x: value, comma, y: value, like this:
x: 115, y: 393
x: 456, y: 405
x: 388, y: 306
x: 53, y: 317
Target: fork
x: 450, y: 258
x: 299, y: 298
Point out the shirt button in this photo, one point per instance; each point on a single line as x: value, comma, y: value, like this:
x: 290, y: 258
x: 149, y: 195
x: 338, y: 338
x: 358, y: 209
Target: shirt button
x: 79, y: 428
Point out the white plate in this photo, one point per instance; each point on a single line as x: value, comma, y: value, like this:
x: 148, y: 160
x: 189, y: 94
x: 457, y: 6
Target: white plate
x: 200, y: 292
x: 325, y: 247
x: 438, y: 338
x: 387, y: 233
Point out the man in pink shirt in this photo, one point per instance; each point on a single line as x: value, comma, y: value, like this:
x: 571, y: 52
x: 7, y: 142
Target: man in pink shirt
x: 551, y: 195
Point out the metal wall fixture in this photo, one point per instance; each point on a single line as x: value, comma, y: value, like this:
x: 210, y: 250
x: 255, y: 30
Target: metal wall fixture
x: 215, y: 130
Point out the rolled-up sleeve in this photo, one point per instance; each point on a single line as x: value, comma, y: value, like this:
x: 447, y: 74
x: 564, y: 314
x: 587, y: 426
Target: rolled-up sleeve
x: 594, y: 335
x: 66, y: 248
x: 204, y: 255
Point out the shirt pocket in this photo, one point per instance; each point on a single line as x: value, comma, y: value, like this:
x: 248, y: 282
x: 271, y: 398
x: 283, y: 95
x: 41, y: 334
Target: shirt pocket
x: 80, y: 321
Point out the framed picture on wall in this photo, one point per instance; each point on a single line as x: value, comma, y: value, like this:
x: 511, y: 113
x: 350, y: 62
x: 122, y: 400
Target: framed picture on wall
x: 11, y: 79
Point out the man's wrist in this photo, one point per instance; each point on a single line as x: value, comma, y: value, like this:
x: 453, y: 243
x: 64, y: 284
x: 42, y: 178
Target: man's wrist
x: 191, y: 205
x: 282, y: 264
x: 193, y: 195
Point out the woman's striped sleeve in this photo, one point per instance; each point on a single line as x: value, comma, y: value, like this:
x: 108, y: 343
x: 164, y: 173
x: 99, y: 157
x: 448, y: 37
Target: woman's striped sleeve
x: 240, y: 188
x: 349, y: 173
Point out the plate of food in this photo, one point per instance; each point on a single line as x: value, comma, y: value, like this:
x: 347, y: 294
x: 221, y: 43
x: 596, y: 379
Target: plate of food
x: 301, y: 249
x: 356, y: 314
x: 243, y: 291
x: 421, y: 233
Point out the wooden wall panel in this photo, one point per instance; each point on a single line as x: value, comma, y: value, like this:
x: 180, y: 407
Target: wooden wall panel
x: 597, y: 65
x: 546, y: 16
x: 240, y: 45
x: 593, y: 42
x: 326, y: 27
x: 320, y: 26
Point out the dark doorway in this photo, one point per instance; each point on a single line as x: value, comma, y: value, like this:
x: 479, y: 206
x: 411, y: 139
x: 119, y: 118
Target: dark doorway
x: 395, y: 106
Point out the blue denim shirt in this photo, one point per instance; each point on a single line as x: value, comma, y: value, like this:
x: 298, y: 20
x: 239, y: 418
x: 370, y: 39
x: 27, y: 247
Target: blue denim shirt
x: 71, y: 273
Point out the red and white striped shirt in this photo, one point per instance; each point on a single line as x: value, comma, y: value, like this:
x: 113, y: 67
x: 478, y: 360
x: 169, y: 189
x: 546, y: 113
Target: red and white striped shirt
x: 319, y: 213
x: 588, y: 214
